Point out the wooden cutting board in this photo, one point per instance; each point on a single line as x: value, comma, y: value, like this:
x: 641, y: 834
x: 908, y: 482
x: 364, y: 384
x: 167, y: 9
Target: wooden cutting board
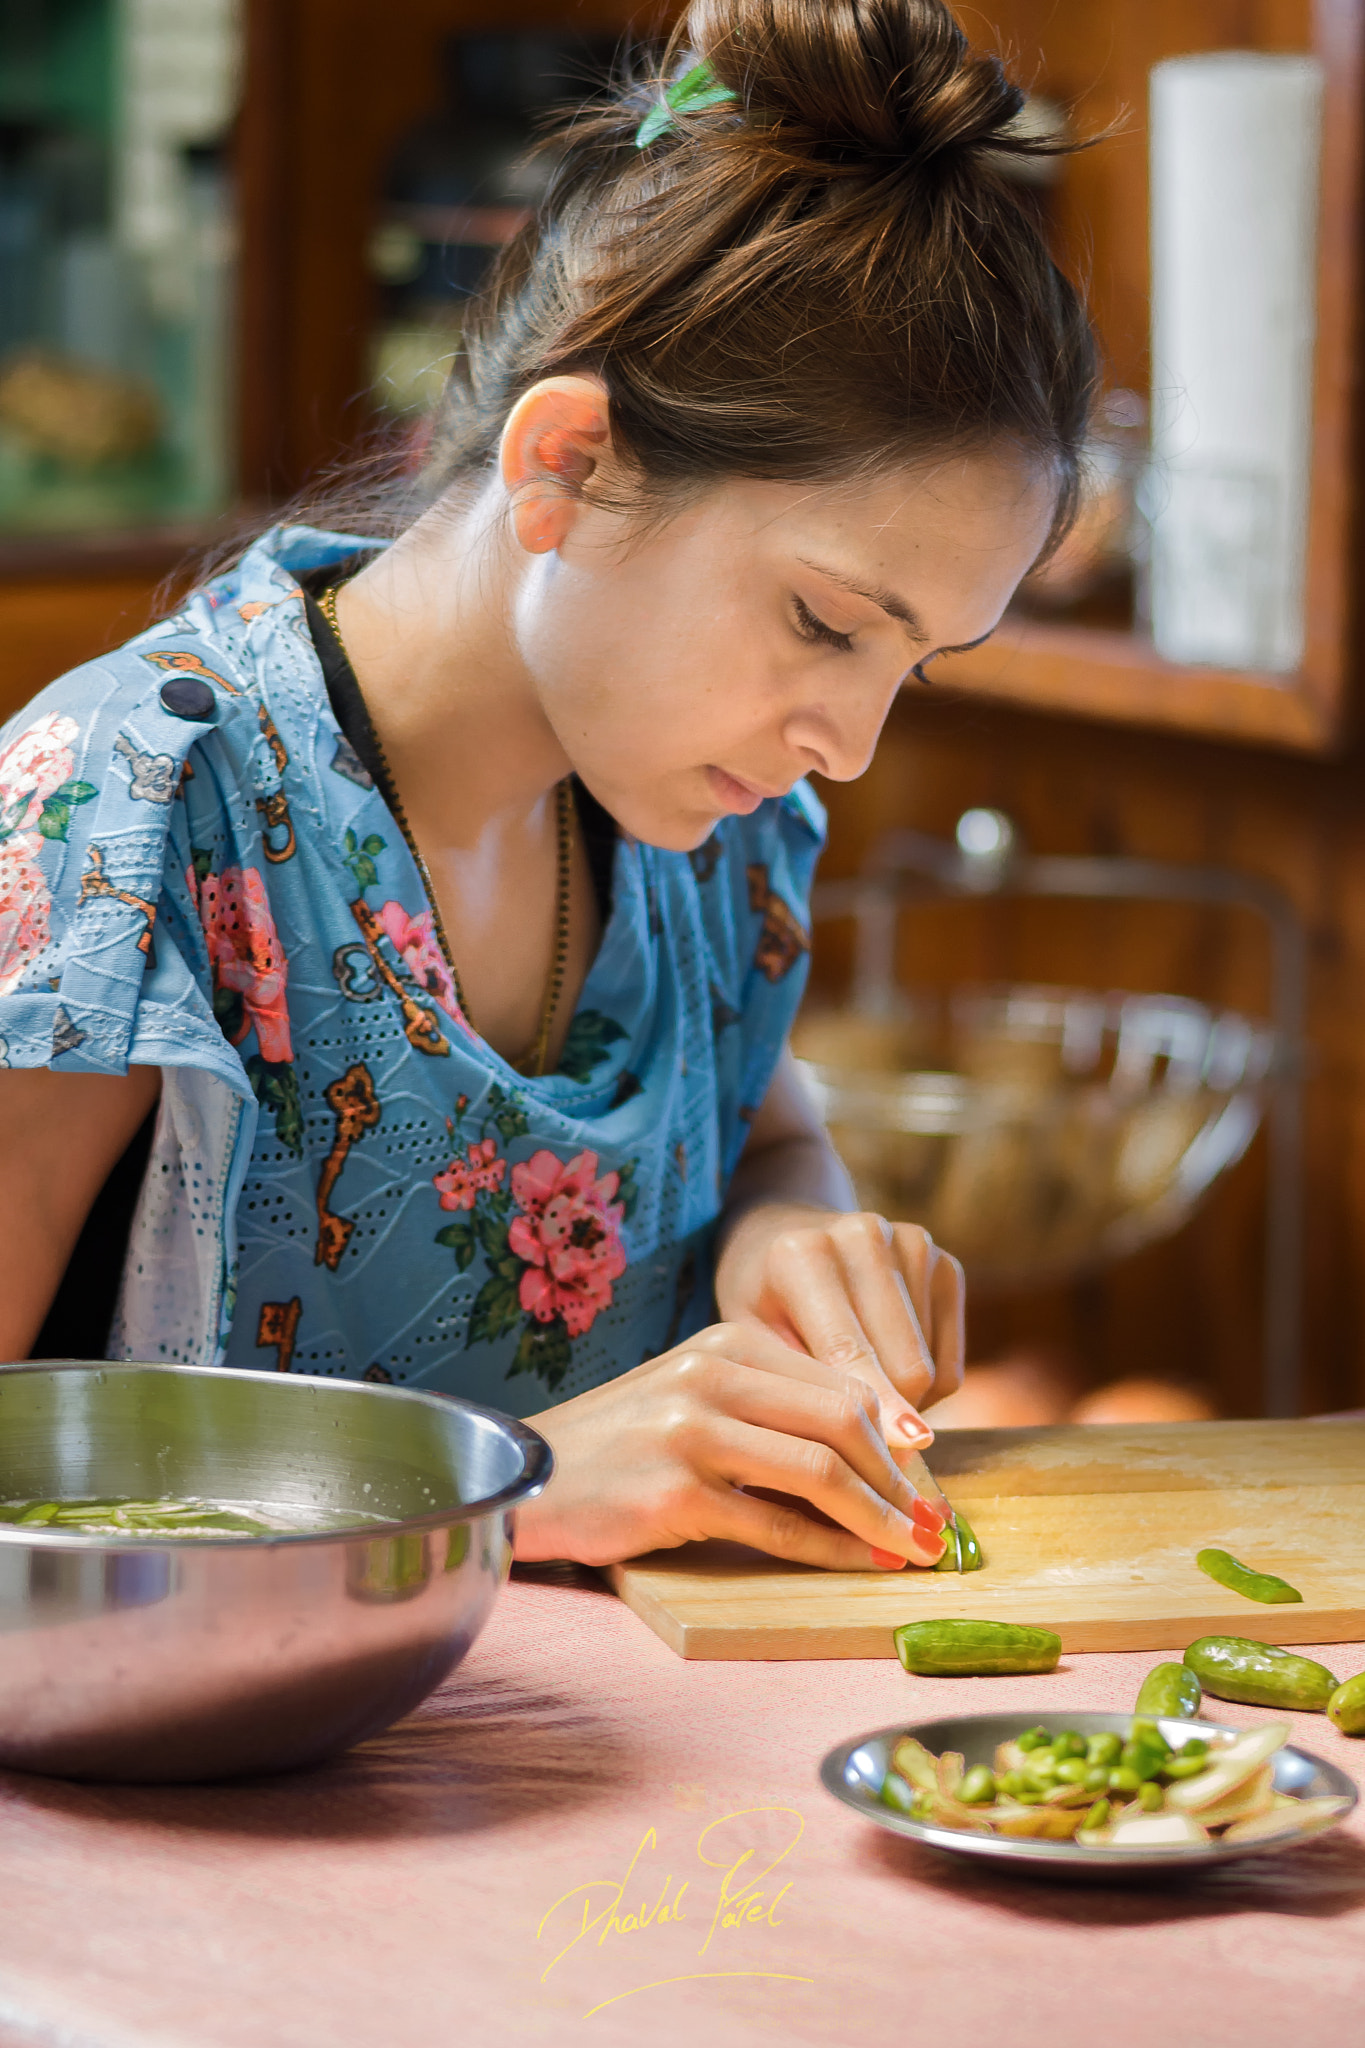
x: 1091, y: 1531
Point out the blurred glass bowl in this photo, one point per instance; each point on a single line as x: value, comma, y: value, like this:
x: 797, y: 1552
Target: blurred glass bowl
x: 1038, y: 1132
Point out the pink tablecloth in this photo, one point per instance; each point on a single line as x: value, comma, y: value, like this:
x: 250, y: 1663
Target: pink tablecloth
x: 480, y: 1876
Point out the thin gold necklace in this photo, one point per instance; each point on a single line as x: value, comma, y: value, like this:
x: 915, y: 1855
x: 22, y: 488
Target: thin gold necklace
x: 533, y: 1060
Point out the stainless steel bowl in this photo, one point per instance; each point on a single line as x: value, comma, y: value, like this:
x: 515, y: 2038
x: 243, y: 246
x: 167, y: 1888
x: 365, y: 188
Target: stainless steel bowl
x: 140, y: 1659
x: 854, y: 1772
x: 1066, y: 1128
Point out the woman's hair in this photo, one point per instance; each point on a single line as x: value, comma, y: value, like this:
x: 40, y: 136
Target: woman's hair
x: 828, y: 271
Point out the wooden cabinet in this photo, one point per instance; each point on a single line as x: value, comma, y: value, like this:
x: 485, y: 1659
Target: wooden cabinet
x: 330, y: 85
x: 1097, y: 58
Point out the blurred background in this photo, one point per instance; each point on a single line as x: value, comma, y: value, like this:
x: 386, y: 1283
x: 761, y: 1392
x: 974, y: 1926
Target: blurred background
x: 1089, y: 961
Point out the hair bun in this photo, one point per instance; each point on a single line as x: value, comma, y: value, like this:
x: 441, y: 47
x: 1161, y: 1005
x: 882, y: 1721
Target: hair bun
x: 874, y: 80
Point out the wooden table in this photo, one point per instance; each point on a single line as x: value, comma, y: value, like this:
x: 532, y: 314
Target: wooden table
x: 477, y: 1877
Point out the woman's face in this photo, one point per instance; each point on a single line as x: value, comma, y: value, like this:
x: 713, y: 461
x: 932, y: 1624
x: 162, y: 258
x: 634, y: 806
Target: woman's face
x: 761, y: 634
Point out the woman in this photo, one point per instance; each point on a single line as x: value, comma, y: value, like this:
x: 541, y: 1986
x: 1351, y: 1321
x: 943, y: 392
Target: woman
x: 446, y: 899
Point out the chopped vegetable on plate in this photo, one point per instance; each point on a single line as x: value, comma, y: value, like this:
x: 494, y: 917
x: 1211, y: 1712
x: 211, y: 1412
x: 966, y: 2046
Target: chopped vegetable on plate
x: 1100, y: 1791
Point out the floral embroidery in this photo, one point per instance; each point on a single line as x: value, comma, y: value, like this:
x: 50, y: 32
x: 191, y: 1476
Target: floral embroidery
x: 249, y: 967
x: 464, y: 1180
x: 37, y: 795
x: 586, y: 1043
x: 25, y: 903
x: 359, y: 856
x: 415, y: 941
x: 569, y: 1232
x: 36, y: 789
x: 552, y: 1240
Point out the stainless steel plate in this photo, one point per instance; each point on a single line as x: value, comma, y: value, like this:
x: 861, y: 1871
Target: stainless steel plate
x: 854, y: 1772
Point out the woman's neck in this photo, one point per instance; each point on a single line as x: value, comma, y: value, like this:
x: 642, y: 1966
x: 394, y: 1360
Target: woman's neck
x: 426, y: 627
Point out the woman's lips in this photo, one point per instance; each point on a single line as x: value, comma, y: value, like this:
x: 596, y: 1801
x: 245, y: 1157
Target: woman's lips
x: 737, y: 795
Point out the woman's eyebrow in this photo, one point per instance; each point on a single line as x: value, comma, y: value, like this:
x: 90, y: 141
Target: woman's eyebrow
x: 885, y: 600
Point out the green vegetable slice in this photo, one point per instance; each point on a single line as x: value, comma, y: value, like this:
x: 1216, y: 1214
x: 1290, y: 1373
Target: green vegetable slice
x: 961, y: 1549
x: 1240, y: 1578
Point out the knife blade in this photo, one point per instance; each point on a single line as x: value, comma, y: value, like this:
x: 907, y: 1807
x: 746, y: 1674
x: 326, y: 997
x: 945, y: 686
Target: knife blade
x: 921, y: 1478
x: 912, y: 1464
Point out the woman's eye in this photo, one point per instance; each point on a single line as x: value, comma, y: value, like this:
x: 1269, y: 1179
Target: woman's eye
x: 815, y: 630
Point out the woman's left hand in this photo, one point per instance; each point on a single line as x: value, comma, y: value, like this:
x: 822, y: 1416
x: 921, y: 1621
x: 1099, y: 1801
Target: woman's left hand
x: 875, y: 1299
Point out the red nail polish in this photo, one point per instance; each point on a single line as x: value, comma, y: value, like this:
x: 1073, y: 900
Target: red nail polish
x: 915, y: 1427
x: 927, y: 1516
x: 887, y: 1561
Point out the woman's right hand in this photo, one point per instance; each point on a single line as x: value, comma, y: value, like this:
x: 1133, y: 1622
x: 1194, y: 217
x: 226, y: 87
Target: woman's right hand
x: 662, y: 1455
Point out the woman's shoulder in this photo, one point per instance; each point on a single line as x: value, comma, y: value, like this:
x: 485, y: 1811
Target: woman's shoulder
x: 233, y: 647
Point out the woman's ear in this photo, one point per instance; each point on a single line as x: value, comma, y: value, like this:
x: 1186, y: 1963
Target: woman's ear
x: 555, y: 436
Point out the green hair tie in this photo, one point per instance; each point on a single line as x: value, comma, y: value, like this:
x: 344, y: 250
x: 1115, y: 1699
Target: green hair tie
x: 696, y: 89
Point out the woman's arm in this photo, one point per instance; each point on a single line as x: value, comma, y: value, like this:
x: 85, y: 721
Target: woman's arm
x: 60, y: 1135
x: 867, y: 1296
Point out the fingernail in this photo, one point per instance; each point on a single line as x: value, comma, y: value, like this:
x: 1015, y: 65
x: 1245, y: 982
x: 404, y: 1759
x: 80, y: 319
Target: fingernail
x: 887, y: 1561
x: 914, y: 1429
x: 927, y: 1515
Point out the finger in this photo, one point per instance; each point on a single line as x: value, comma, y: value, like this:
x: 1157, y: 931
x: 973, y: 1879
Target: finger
x: 805, y: 1272
x: 754, y: 1344
x: 814, y: 1471
x: 841, y: 1417
x: 787, y: 1533
x: 948, y: 1295
x: 879, y: 1266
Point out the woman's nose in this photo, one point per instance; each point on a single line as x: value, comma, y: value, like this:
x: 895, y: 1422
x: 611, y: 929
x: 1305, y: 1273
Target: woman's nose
x: 838, y: 739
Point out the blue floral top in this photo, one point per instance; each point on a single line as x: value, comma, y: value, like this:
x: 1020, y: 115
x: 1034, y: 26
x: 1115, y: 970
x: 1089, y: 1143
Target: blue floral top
x: 197, y: 873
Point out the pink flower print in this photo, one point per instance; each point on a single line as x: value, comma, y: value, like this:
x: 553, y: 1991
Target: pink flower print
x: 415, y: 941
x: 247, y: 956
x: 25, y: 901
x: 569, y: 1234
x: 33, y: 767
x: 465, y: 1179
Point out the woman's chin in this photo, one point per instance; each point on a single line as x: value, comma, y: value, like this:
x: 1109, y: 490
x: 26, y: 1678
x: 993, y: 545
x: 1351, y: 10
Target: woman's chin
x: 680, y: 830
